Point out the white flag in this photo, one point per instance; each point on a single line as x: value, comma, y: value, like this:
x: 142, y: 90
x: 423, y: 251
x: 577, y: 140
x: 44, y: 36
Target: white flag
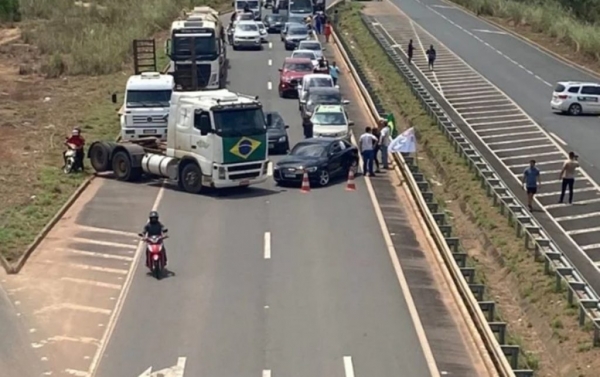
x: 406, y: 142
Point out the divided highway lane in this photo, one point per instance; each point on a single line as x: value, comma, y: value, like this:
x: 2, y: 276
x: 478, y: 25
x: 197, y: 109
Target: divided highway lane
x: 512, y: 135
x: 268, y: 282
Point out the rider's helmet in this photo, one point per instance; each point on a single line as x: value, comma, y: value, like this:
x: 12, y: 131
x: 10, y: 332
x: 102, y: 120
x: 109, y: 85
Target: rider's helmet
x: 76, y: 131
x: 153, y: 217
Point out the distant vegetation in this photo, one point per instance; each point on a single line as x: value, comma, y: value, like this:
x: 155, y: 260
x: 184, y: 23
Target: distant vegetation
x: 95, y: 37
x: 9, y: 10
x: 574, y: 22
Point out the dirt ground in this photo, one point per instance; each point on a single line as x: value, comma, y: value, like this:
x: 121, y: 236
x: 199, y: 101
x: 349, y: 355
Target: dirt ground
x: 35, y: 115
x: 538, y: 316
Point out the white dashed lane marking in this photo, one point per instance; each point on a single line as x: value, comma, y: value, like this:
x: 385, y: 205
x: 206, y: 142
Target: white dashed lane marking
x: 508, y: 132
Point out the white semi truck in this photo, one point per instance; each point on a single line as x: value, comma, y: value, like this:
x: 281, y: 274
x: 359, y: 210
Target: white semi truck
x: 147, y: 95
x: 198, y: 43
x: 215, y: 139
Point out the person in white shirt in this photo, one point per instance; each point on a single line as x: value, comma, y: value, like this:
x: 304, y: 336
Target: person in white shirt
x: 384, y: 142
x: 367, y: 149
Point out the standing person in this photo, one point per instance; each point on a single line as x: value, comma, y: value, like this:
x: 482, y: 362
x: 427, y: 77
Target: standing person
x: 327, y: 31
x: 531, y: 180
x: 411, y: 50
x: 376, y: 148
x: 384, y: 142
x: 431, y: 55
x: 366, y: 143
x: 308, y: 129
x: 334, y: 72
x: 319, y: 23
x: 567, y: 174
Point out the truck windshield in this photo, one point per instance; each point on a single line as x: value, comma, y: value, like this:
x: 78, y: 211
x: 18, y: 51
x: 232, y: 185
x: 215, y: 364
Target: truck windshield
x: 239, y: 122
x: 301, y: 6
x: 203, y: 46
x: 147, y: 98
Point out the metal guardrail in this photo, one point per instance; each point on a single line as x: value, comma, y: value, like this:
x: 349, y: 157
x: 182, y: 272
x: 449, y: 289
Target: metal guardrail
x: 578, y: 291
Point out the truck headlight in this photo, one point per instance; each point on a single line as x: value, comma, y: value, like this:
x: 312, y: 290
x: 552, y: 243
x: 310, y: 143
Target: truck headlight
x: 222, y: 172
x: 282, y: 139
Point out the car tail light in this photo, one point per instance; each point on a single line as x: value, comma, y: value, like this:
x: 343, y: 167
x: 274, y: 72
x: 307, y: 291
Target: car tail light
x: 563, y: 96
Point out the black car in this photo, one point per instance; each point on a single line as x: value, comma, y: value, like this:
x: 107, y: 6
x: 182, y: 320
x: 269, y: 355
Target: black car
x: 274, y: 23
x: 320, y: 96
x: 277, y: 133
x: 322, y: 158
x: 295, y: 34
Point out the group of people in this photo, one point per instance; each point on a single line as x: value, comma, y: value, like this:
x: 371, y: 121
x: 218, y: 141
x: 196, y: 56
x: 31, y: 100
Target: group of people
x: 431, y: 54
x: 321, y: 24
x: 371, y: 143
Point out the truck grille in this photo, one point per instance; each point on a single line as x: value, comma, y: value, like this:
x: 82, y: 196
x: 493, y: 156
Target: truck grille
x: 244, y: 167
x: 248, y: 175
x: 155, y: 120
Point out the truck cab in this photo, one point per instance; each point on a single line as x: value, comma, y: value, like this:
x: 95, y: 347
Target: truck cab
x: 146, y: 106
x: 199, y: 41
x: 253, y: 5
x: 224, y: 133
x: 300, y: 8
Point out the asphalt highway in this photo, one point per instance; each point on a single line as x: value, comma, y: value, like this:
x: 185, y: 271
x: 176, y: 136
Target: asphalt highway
x: 523, y: 72
x: 270, y: 280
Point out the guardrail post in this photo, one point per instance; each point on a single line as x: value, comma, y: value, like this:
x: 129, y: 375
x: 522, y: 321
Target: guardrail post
x: 584, y: 305
x: 460, y: 259
x: 596, y: 338
x: 469, y: 274
x: 478, y: 291
x: 488, y: 307
x: 523, y: 373
x: 499, y: 328
x: 512, y: 352
x: 453, y: 243
x: 551, y: 256
x: 574, y: 287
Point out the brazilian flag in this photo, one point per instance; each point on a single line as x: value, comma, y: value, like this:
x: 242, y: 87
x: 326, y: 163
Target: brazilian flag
x: 391, y: 121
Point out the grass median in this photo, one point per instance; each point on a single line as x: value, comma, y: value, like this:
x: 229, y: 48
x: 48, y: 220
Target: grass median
x: 539, y: 317
x: 574, y: 35
x: 59, y: 73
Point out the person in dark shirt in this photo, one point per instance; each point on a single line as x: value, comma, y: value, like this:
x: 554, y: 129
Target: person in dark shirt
x: 154, y: 228
x: 376, y: 148
x: 411, y: 50
x: 431, y: 55
x: 76, y: 142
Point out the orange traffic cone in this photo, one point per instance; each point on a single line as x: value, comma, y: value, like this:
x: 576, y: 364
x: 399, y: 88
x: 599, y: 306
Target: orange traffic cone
x: 351, y: 186
x: 305, y: 183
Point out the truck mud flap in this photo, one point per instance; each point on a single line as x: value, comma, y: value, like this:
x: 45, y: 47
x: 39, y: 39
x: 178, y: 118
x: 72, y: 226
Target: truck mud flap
x: 100, y: 155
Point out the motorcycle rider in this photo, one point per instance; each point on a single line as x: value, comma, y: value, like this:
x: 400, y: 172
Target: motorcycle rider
x: 154, y: 228
x: 78, y: 142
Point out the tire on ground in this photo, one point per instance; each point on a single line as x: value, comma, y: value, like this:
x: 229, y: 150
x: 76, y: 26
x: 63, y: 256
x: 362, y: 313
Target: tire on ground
x: 99, y: 155
x: 190, y: 178
x: 121, y: 166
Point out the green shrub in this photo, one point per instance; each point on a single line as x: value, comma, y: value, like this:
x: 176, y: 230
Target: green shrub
x: 9, y: 10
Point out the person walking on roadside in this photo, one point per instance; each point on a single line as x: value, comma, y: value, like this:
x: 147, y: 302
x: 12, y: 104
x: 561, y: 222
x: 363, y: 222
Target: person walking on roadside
x: 531, y: 181
x: 384, y: 141
x: 376, y: 148
x: 319, y: 23
x: 327, y: 31
x: 366, y: 144
x: 410, y: 51
x: 431, y: 55
x: 334, y: 72
x: 567, y: 174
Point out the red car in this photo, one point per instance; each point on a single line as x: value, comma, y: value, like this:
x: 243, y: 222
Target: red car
x: 291, y: 75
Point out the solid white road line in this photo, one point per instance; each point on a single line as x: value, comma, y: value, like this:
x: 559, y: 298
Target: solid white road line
x: 112, y: 322
x: 104, y: 243
x: 91, y: 282
x: 561, y: 141
x: 348, y: 367
x: 267, y: 251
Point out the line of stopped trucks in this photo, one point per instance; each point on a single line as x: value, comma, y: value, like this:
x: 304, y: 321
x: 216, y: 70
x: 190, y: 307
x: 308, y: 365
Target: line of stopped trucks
x: 182, y: 124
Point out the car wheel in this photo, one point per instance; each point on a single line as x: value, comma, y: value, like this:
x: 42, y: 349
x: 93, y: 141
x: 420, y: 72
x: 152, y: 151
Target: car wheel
x: 235, y: 48
x: 353, y: 165
x: 575, y: 109
x: 281, y: 94
x: 324, y: 178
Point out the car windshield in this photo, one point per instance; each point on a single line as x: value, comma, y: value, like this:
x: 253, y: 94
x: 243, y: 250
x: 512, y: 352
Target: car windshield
x: 248, y: 27
x: 304, y: 54
x: 297, y: 20
x: 321, y: 82
x: 330, y: 119
x: 252, y: 4
x: 147, y: 98
x: 246, y: 17
x: 205, y: 45
x: 260, y: 25
x: 298, y: 31
x: 239, y: 122
x: 274, y: 121
x: 274, y: 18
x: 308, y: 150
x: 298, y: 67
x: 328, y: 98
x: 311, y: 46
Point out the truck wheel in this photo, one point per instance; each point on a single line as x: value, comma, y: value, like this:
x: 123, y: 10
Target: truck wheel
x: 99, y: 154
x: 190, y: 179
x: 122, y: 168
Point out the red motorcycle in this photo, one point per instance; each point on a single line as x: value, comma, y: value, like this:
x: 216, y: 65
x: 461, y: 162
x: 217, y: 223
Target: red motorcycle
x: 155, y: 254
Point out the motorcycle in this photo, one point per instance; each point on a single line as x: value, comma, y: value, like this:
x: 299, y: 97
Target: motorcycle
x: 155, y: 256
x: 70, y: 159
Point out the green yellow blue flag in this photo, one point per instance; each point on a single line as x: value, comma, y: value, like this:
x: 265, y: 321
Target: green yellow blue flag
x: 392, y: 123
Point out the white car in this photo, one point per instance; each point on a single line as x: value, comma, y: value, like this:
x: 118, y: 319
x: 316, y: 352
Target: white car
x: 330, y: 121
x: 320, y: 80
x: 576, y: 98
x: 314, y: 46
x: 262, y: 30
x: 306, y: 54
x: 243, y: 16
x: 246, y: 35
